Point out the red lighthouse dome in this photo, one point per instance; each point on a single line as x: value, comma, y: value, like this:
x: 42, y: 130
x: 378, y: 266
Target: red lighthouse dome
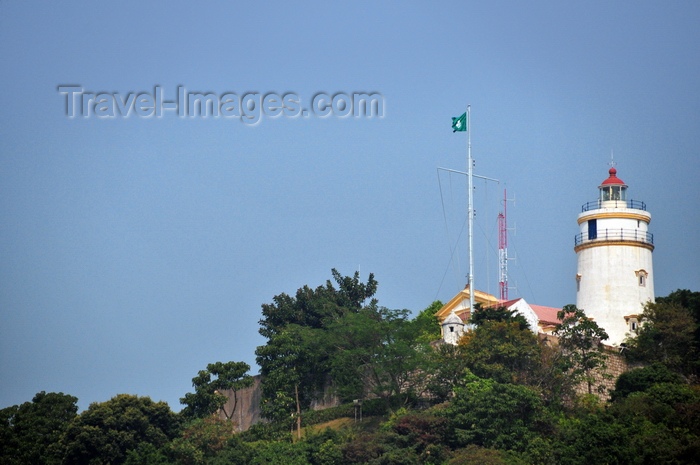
x: 613, y: 188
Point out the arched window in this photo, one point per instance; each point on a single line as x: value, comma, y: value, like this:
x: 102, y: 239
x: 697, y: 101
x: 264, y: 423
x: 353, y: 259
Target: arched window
x: 641, y: 277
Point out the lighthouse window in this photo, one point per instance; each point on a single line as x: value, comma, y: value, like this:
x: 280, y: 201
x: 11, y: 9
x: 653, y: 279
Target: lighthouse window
x: 634, y: 325
x: 592, y: 229
x: 615, y: 193
x: 641, y: 277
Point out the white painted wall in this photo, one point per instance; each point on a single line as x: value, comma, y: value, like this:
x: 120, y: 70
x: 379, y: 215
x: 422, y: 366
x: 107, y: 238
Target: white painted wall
x: 608, y: 287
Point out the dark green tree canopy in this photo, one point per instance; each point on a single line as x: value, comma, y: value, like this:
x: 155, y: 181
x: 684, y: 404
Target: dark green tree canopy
x: 641, y: 379
x: 498, y: 415
x: 686, y: 299
x: 295, y: 362
x: 30, y: 432
x: 376, y: 351
x: 668, y: 333
x: 482, y: 315
x: 502, y: 349
x: 426, y: 324
x: 107, y: 431
x: 294, y: 367
x: 315, y: 308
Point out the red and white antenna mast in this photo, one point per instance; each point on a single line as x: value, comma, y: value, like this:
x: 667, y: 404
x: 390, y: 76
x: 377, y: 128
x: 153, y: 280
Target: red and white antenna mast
x: 503, y: 251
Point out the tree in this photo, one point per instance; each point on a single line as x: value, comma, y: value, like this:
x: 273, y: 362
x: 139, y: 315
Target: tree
x: 483, y: 315
x: 421, y: 432
x: 295, y: 362
x: 377, y: 351
x: 107, y: 431
x: 587, y: 439
x: 294, y: 370
x: 641, y: 379
x: 475, y: 454
x: 580, y: 339
x: 426, y: 325
x: 30, y: 432
x: 502, y: 349
x: 686, y: 299
x: 147, y: 454
x: 447, y: 368
x: 279, y: 453
x: 205, y: 439
x: 315, y: 308
x: 667, y: 334
x: 210, y: 385
x: 691, y: 302
x: 496, y: 415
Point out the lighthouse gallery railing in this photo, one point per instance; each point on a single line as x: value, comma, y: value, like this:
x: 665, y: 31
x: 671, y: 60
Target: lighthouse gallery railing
x: 594, y: 205
x: 616, y: 234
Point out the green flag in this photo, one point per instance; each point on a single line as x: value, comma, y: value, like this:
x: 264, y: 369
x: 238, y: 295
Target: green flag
x: 460, y: 123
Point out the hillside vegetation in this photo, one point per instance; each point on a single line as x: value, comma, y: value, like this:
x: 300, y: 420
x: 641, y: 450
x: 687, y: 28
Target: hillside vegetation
x: 502, y: 396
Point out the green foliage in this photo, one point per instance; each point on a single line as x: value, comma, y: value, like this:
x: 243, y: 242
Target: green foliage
x: 365, y: 448
x: 106, y: 431
x: 473, y: 454
x: 550, y: 377
x: 201, y: 440
x: 691, y: 302
x: 297, y: 358
x: 279, y: 453
x: 146, y: 454
x: 210, y: 386
x: 426, y: 325
x: 448, y: 368
x: 266, y: 431
x: 516, y: 411
x: 314, y: 308
x: 30, y: 432
x: 684, y: 298
x: 496, y: 415
x: 503, y: 350
x: 294, y: 366
x: 580, y: 340
x: 419, y: 431
x: 641, y: 379
x: 490, y: 314
x: 322, y: 448
x: 329, y: 453
x: 658, y: 425
x: 667, y: 334
x: 315, y: 417
x: 236, y: 452
x: 594, y: 438
x: 377, y: 350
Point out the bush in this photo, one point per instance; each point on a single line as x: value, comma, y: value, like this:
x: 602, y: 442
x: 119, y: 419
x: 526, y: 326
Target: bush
x: 641, y: 379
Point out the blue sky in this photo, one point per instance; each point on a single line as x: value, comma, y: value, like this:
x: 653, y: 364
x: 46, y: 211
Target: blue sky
x: 137, y: 250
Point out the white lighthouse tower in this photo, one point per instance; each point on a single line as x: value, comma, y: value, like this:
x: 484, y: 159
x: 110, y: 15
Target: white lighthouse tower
x: 615, y: 277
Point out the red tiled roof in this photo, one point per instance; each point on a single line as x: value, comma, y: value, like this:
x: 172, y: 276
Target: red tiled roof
x: 546, y: 314
x: 508, y: 303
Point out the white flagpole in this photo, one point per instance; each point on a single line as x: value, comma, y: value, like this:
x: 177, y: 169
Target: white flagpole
x: 470, y: 164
